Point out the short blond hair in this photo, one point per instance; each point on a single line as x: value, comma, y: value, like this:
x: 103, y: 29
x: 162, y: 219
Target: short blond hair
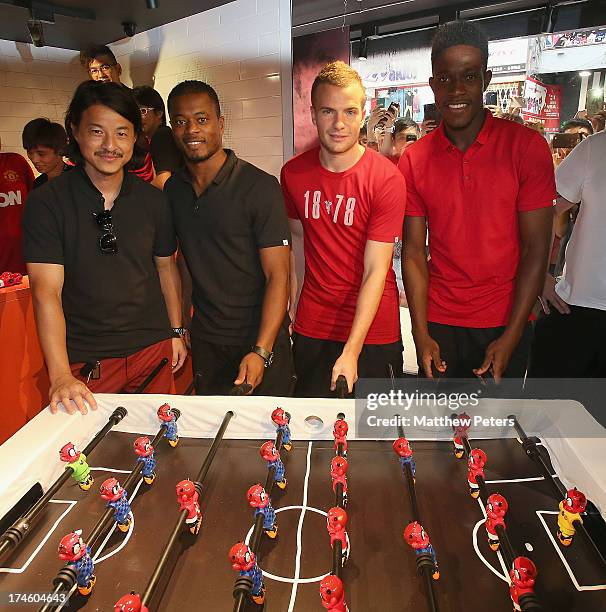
x: 340, y: 74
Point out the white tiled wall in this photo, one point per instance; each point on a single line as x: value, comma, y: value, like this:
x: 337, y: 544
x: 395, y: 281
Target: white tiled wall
x: 34, y: 82
x: 243, y: 50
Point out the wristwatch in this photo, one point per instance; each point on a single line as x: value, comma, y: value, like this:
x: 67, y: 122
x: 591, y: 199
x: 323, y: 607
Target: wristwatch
x: 267, y: 356
x: 179, y: 332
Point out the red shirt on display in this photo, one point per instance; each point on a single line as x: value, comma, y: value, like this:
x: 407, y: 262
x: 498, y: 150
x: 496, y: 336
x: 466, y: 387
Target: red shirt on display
x: 16, y: 181
x: 471, y: 203
x: 339, y: 212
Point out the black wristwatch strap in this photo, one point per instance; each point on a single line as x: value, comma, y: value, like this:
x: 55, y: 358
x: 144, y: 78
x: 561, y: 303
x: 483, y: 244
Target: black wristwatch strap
x: 266, y: 355
x: 179, y: 332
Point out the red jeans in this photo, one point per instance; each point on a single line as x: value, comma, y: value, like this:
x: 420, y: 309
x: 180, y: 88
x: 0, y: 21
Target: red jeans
x: 125, y: 374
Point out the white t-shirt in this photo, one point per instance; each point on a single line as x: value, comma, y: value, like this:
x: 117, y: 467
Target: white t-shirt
x: 581, y: 177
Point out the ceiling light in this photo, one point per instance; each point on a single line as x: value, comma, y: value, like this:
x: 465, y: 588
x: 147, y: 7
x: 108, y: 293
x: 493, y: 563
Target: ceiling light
x: 584, y: 73
x: 363, y: 52
x: 36, y: 32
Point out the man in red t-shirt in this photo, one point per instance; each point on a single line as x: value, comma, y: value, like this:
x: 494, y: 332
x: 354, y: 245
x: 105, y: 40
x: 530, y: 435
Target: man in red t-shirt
x: 348, y: 202
x: 483, y: 188
x: 16, y: 181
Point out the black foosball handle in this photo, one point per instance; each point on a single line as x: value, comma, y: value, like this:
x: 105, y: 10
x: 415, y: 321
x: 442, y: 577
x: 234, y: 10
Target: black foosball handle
x: 241, y: 389
x: 341, y: 388
x: 18, y: 531
x: 141, y: 388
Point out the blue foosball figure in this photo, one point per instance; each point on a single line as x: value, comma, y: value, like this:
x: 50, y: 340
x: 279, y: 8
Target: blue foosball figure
x: 74, y: 551
x: 243, y: 560
x: 418, y: 538
x: 281, y: 418
x: 259, y: 500
x: 169, y: 423
x: 115, y: 496
x: 145, y: 454
x: 271, y: 455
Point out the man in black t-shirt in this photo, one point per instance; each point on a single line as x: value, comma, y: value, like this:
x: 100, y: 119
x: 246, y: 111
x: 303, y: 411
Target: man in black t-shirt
x: 99, y: 246
x: 233, y: 232
x: 164, y: 152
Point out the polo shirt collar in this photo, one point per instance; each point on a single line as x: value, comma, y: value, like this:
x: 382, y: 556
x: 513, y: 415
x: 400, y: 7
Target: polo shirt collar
x: 221, y: 176
x: 125, y: 188
x: 481, y: 138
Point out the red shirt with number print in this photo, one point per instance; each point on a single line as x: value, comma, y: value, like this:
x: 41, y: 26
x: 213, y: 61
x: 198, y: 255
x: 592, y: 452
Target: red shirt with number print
x: 16, y: 181
x: 339, y: 212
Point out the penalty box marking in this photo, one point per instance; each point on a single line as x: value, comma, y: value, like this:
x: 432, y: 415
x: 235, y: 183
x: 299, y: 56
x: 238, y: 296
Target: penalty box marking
x: 575, y: 582
x: 71, y: 503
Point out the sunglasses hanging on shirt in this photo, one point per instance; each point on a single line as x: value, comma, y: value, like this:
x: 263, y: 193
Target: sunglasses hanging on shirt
x: 107, y: 241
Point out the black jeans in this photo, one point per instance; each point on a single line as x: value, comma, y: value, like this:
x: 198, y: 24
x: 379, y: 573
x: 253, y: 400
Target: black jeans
x: 314, y: 360
x: 215, y: 367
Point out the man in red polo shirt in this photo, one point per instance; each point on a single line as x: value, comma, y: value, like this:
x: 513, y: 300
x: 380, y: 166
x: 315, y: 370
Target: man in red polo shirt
x: 483, y: 188
x: 349, y: 203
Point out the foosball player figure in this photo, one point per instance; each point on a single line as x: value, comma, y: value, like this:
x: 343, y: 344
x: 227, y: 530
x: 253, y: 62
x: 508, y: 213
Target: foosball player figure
x: 460, y: 433
x: 402, y: 448
x: 340, y: 434
x: 281, y: 418
x: 76, y: 462
x: 188, y: 499
x: 169, y: 422
x: 418, y: 538
x: 338, y: 473
x: 130, y: 603
x: 475, y: 464
x: 270, y: 453
x: 74, y: 551
x: 570, y: 512
x: 115, y: 496
x: 336, y: 521
x: 8, y: 279
x: 243, y: 560
x: 259, y: 500
x: 145, y: 454
x: 523, y: 576
x: 333, y: 594
x: 496, y: 509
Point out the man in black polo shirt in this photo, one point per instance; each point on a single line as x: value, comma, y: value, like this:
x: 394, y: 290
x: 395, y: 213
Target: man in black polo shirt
x: 234, y: 235
x: 99, y: 246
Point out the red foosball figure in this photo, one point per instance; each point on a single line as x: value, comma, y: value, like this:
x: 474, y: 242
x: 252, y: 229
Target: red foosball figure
x: 340, y: 434
x: 570, y: 512
x: 496, y: 509
x: 77, y: 555
x: 145, y: 455
x: 476, y: 463
x: 130, y: 603
x: 281, y: 418
x: 522, y: 575
x: 333, y: 594
x: 460, y: 433
x: 188, y: 497
x: 401, y: 446
x: 336, y: 521
x: 416, y: 536
x: 259, y: 500
x: 269, y: 452
x: 338, y: 473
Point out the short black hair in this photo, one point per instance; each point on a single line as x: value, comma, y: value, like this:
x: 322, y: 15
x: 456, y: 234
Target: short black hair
x: 148, y: 96
x: 95, y: 52
x: 113, y: 95
x: 578, y: 123
x: 459, y: 32
x: 193, y: 87
x: 403, y: 123
x: 42, y: 132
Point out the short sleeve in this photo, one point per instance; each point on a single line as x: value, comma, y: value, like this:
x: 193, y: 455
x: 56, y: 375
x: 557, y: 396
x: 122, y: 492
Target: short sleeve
x: 269, y: 220
x: 165, y: 240
x: 388, y: 206
x: 415, y: 207
x: 164, y: 152
x: 570, y: 174
x: 42, y: 230
x: 537, y: 180
x: 291, y: 208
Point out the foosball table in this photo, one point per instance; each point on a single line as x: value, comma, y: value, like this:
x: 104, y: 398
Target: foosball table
x: 250, y: 503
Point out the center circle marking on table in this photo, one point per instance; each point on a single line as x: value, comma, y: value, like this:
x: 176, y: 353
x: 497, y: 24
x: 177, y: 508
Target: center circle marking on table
x: 293, y: 580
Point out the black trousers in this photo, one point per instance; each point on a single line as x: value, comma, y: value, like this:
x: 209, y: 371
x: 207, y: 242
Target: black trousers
x: 215, y: 367
x: 463, y: 349
x: 314, y: 360
x: 570, y: 345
